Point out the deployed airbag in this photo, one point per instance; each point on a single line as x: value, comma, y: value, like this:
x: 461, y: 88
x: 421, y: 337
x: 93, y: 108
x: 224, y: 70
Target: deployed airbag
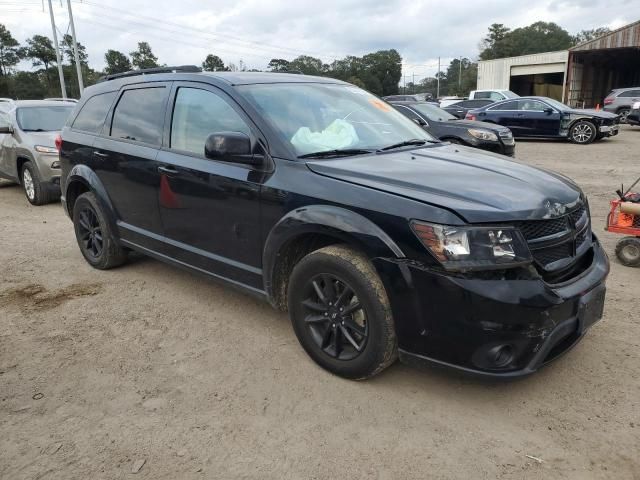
x: 338, y: 135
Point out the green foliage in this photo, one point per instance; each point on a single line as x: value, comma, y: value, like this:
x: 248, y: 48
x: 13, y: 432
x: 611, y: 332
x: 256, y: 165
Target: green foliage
x: 587, y: 35
x: 143, y: 57
x: 536, y: 38
x: 40, y: 51
x: 278, y: 65
x: 10, y: 51
x: 213, y: 63
x: 66, y: 46
x: 117, y: 62
x: 379, y: 72
x: 457, y: 84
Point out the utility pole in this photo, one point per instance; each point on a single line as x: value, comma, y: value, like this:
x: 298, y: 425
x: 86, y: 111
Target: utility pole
x: 413, y: 83
x: 63, y: 89
x: 75, y: 49
x: 459, y: 74
x: 437, y: 77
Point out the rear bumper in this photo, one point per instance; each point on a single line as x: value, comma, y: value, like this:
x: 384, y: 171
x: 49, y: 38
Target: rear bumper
x: 493, y: 328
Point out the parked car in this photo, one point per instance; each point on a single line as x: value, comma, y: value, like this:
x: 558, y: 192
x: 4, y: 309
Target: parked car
x: 460, y: 109
x: 621, y: 100
x: 307, y: 191
x: 419, y: 97
x: 6, y: 104
x: 28, y: 154
x: 634, y: 115
x: 446, y: 127
x: 60, y: 99
x: 495, y: 95
x: 449, y: 100
x: 544, y: 117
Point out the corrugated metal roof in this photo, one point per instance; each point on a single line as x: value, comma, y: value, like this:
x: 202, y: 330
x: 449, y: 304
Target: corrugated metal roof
x: 624, y: 37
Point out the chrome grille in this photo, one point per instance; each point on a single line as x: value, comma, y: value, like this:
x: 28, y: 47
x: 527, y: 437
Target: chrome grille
x: 535, y: 229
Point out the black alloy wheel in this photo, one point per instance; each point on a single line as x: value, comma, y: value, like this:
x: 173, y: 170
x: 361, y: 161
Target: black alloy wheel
x: 90, y: 233
x: 335, y: 317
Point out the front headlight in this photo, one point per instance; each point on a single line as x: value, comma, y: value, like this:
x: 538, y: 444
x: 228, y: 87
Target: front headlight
x: 636, y: 106
x: 483, y: 134
x: 473, y: 248
x: 43, y: 149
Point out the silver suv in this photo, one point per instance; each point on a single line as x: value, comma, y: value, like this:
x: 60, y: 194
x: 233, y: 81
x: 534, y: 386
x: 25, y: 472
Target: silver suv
x: 621, y: 100
x: 28, y: 153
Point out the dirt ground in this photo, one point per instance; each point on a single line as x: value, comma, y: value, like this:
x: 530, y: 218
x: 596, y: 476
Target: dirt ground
x: 100, y: 371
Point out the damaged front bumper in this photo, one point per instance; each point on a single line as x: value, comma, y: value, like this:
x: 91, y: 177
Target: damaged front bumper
x: 491, y: 327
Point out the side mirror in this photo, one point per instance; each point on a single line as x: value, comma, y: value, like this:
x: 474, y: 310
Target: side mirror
x: 548, y: 110
x: 6, y: 128
x: 231, y: 147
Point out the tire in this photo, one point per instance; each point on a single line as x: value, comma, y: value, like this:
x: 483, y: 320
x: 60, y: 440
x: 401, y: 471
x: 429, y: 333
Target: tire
x: 93, y: 233
x: 36, y: 192
x: 623, y: 112
x: 583, y: 132
x: 628, y: 251
x: 351, y: 333
x: 455, y: 141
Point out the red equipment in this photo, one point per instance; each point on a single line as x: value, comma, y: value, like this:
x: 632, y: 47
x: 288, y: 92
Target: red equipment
x: 624, y: 218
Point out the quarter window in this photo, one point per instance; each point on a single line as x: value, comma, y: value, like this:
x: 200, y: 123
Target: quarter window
x: 93, y: 113
x: 199, y: 113
x: 139, y: 115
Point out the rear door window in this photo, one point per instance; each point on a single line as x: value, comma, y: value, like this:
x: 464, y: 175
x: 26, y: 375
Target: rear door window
x: 139, y: 115
x: 512, y: 105
x: 94, y: 111
x: 631, y: 93
x: 197, y: 114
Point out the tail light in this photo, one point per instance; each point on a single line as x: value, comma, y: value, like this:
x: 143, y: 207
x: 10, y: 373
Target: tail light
x: 470, y: 116
x: 608, y: 101
x: 58, y: 143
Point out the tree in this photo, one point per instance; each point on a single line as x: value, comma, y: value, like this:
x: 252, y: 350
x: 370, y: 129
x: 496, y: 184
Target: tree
x: 66, y: 45
x: 40, y: 50
x: 10, y: 51
x: 460, y: 81
x: 308, y: 65
x: 143, y: 57
x: 278, y: 65
x: 213, y: 63
x: 587, y: 35
x: 537, y: 37
x: 117, y: 62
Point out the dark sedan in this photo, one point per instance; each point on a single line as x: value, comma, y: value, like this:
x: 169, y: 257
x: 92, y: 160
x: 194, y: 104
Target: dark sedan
x: 460, y: 109
x: 544, y: 117
x: 446, y: 127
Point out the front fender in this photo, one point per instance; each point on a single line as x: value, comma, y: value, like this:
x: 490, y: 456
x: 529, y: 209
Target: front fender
x: 325, y: 219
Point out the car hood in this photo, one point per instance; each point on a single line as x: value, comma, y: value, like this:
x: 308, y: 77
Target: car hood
x: 46, y: 139
x: 592, y: 113
x: 478, y: 186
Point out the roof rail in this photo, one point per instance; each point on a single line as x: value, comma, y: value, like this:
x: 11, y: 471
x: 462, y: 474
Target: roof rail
x: 148, y: 71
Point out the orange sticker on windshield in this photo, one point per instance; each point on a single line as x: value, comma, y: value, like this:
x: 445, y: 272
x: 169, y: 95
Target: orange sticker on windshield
x: 380, y: 104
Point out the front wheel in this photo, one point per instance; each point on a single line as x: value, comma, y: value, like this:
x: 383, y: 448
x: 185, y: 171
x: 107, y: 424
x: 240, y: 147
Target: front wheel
x: 624, y: 113
x: 341, y: 313
x: 36, y: 192
x: 628, y: 251
x: 583, y: 132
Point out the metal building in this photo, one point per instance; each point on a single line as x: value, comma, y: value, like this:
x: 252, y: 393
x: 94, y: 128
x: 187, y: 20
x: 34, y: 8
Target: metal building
x: 581, y: 76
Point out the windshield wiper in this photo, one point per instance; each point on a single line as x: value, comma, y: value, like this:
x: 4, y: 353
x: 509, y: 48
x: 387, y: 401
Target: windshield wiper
x: 34, y: 130
x: 406, y: 143
x: 345, y: 152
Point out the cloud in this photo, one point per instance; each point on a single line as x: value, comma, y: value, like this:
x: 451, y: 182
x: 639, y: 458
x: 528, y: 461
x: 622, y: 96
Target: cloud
x: 258, y: 30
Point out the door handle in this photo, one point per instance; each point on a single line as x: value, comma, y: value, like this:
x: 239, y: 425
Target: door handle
x: 169, y: 171
x: 100, y: 154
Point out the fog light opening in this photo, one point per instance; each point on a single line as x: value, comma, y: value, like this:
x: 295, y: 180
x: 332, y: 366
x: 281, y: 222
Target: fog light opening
x: 501, y: 355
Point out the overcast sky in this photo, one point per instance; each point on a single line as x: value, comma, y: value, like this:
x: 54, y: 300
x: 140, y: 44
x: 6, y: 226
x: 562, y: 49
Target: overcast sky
x: 254, y: 31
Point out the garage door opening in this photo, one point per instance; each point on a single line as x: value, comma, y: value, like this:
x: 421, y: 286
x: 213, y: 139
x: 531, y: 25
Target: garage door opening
x: 540, y: 84
x: 593, y: 74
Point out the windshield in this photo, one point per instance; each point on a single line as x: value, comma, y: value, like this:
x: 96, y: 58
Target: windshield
x: 316, y: 117
x: 433, y: 113
x: 509, y: 94
x: 42, y: 119
x: 556, y: 104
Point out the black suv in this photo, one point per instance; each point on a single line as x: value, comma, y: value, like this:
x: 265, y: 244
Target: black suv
x: 316, y: 195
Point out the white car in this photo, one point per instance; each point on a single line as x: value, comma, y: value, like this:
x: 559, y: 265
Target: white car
x: 496, y: 95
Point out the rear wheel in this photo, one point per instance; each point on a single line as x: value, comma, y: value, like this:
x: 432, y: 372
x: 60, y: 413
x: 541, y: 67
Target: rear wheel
x: 93, y: 233
x: 623, y: 113
x: 36, y: 192
x: 341, y: 314
x: 628, y: 251
x: 583, y: 132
